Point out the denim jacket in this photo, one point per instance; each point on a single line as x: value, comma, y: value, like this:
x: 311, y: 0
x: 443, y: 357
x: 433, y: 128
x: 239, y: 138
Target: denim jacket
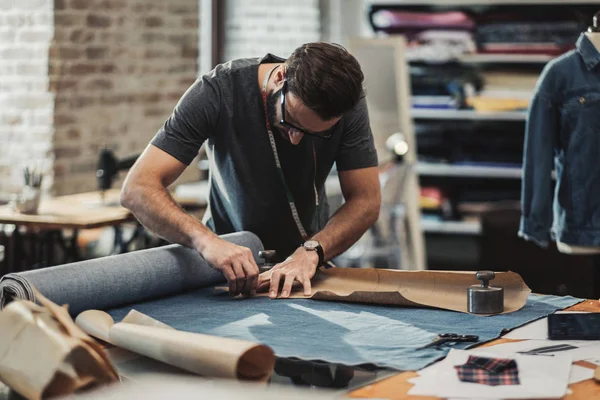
x: 563, y: 134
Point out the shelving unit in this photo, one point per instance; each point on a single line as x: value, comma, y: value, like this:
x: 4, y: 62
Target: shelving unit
x: 468, y: 171
x: 492, y: 59
x: 449, y: 174
x: 453, y: 227
x: 468, y: 114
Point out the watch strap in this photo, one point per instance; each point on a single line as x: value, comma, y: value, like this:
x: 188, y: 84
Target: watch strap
x: 320, y: 252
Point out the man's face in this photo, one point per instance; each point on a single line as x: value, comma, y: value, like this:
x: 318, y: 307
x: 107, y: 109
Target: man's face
x: 296, y: 113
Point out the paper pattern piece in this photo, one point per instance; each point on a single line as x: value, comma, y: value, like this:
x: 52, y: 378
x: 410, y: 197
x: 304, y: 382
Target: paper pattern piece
x: 541, y: 378
x: 44, y: 354
x: 437, y: 289
x: 579, y: 374
x: 582, y: 351
x: 205, y: 355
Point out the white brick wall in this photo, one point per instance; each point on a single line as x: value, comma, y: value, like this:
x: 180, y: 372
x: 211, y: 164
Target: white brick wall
x: 26, y: 105
x: 254, y: 28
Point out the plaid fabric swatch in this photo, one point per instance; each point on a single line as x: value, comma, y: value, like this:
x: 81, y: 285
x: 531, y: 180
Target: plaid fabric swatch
x: 489, y: 371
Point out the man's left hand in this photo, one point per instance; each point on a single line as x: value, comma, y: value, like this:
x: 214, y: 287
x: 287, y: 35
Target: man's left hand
x: 299, y: 267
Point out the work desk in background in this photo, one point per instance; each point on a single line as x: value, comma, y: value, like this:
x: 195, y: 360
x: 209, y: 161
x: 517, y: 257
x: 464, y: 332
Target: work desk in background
x: 36, y: 236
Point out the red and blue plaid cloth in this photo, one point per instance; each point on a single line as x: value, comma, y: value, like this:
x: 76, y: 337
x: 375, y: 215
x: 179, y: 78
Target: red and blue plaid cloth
x: 489, y: 371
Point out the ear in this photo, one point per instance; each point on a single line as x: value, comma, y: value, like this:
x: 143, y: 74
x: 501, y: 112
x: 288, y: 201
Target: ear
x: 279, y: 76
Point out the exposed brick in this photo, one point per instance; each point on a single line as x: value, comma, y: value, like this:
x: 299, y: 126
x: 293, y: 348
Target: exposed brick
x: 189, y: 52
x: 182, y: 8
x: 56, y: 67
x: 64, y: 119
x: 99, y: 84
x: 60, y: 169
x: 63, y: 20
x: 61, y: 35
x: 182, y: 39
x: 84, y: 166
x: 108, y: 68
x: 67, y: 152
x: 115, y: 99
x: 98, y: 21
x: 191, y: 23
x: 95, y: 53
x: 62, y: 84
x: 153, y: 22
x: 151, y: 97
x: 187, y: 82
x: 83, y: 69
x: 73, y: 134
x: 81, y: 4
x: 81, y: 101
x: 113, y: 5
x: 181, y: 68
x: 153, y: 37
x: 65, y: 53
x: 112, y: 95
x: 149, y: 6
x: 111, y: 38
x: 81, y: 35
x: 174, y: 96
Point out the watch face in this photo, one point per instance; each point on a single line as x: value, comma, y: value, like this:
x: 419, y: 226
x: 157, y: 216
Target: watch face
x: 311, y: 244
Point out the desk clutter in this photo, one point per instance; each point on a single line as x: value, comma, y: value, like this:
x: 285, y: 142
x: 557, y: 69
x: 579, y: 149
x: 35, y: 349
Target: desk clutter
x: 165, y: 298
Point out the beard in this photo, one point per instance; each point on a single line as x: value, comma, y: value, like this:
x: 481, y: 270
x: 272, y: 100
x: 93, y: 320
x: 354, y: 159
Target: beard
x: 273, y: 100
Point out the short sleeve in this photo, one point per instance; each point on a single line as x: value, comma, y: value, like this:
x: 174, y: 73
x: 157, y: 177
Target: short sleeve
x: 192, y: 121
x: 357, y: 147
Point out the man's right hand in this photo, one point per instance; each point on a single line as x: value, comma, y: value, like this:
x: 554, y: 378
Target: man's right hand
x: 235, y: 262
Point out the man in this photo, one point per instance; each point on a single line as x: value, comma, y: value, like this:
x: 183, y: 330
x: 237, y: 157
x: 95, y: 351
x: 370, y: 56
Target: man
x: 273, y: 128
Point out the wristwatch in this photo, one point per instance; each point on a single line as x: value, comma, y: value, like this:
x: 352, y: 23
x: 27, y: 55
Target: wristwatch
x: 313, y: 245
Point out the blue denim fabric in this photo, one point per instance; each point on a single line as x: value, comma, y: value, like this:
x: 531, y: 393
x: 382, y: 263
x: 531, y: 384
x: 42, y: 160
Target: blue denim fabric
x: 563, y: 133
x: 344, y: 333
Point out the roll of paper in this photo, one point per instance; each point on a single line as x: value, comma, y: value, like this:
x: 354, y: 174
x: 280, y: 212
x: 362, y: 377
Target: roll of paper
x: 205, y: 355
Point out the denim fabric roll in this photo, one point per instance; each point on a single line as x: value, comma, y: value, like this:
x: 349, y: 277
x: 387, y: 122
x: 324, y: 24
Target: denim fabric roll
x: 122, y: 279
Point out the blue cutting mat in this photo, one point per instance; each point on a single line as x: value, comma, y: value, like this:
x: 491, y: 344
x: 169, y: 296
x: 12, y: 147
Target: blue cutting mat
x: 344, y: 333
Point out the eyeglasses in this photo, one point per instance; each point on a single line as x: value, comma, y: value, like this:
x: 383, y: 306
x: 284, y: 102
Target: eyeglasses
x: 289, y: 125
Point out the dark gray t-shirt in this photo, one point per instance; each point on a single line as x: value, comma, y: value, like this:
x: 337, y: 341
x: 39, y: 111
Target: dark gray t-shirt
x: 225, y: 107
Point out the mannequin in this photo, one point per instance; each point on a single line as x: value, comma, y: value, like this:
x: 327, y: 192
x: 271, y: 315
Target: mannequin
x: 593, y: 34
x: 562, y: 116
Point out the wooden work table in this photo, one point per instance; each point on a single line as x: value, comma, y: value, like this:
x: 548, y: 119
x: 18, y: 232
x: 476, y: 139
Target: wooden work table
x: 79, y: 211
x: 36, y: 235
x: 397, y: 386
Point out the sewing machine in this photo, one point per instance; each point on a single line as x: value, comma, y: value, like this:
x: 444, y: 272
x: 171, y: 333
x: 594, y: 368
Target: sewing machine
x: 109, y: 167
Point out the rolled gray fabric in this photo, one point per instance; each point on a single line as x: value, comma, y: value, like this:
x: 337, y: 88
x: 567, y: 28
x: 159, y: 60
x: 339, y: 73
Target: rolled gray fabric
x: 122, y: 279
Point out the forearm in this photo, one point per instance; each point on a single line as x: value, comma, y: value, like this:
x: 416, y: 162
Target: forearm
x: 154, y: 207
x: 347, y: 225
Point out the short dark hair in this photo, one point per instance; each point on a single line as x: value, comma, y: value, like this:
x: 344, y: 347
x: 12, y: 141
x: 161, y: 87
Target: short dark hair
x: 326, y: 77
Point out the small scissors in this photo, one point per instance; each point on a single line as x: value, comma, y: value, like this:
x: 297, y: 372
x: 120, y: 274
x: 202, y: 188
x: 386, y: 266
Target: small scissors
x: 450, y: 338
